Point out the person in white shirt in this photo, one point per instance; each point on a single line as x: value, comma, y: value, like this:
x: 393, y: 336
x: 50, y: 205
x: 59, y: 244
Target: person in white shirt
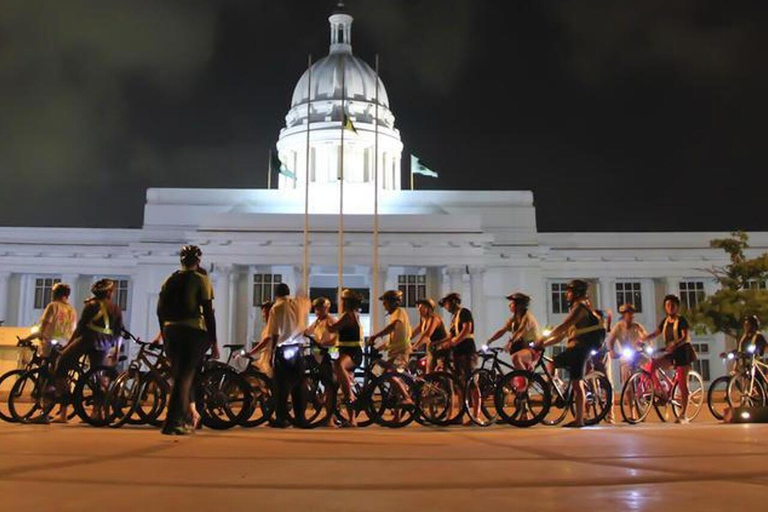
x: 625, y: 335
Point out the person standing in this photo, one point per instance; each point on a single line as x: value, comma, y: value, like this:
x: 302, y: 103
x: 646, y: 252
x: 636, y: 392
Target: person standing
x: 752, y: 337
x: 188, y: 323
x: 57, y: 322
x: 99, y: 328
x: 350, y: 344
x: 625, y: 335
x: 285, y: 327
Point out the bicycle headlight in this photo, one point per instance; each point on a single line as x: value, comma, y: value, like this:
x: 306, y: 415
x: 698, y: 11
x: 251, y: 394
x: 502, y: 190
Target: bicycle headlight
x: 34, y: 329
x: 484, y: 348
x: 649, y: 350
x: 546, y: 332
x: 243, y: 352
x: 730, y: 356
x: 593, y: 352
x: 751, y: 349
x: 627, y: 353
x: 290, y: 352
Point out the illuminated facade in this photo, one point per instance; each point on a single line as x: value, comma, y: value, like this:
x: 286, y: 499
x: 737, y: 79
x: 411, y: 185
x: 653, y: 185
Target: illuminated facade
x: 483, y: 244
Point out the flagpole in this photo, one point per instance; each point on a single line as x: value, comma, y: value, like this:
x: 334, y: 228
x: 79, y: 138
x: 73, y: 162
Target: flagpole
x: 413, y: 181
x: 305, y: 280
x: 376, y: 284
x: 341, y: 186
x: 269, y: 169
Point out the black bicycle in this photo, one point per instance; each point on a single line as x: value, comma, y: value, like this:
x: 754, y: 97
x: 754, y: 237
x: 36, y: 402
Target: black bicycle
x: 482, y: 383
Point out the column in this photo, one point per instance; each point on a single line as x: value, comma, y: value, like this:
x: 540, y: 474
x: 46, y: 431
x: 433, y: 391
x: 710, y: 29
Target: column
x: 477, y: 290
x: 234, y: 276
x: 383, y: 274
x: 5, y: 277
x: 606, y: 295
x: 456, y: 280
x: 220, y: 281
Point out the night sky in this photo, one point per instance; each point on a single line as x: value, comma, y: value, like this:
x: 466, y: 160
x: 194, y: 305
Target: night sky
x: 645, y: 115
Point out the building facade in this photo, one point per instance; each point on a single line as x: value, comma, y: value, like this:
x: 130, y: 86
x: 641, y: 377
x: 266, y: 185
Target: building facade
x: 483, y: 244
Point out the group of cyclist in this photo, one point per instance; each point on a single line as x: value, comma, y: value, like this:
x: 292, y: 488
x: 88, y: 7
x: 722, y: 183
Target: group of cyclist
x: 188, y: 330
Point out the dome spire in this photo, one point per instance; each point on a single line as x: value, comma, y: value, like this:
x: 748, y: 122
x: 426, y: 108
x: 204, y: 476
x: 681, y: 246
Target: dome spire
x: 341, y: 30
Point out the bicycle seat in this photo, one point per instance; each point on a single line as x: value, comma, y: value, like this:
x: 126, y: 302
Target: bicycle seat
x: 234, y: 346
x: 143, y: 343
x: 122, y: 358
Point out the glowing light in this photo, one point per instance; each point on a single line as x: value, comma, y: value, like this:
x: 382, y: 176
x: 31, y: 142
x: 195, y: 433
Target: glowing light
x: 34, y: 329
x: 745, y: 415
x: 546, y: 332
x: 649, y: 350
x: 751, y: 349
x: 243, y: 352
x: 730, y: 356
x: 627, y: 353
x: 594, y: 352
x: 484, y: 348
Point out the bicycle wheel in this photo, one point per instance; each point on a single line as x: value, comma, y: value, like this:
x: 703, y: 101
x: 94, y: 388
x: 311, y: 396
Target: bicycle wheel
x: 716, y: 400
x: 262, y: 398
x: 394, y: 409
x: 523, y: 398
x: 223, y: 398
x: 456, y: 409
x: 742, y: 393
x: 695, y: 397
x: 310, y: 402
x: 482, y: 384
x: 153, y: 401
x: 637, y: 398
x: 560, y: 402
x: 599, y: 398
x: 7, y: 380
x: 123, y: 398
x: 433, y: 398
x: 32, y: 396
x: 90, y: 397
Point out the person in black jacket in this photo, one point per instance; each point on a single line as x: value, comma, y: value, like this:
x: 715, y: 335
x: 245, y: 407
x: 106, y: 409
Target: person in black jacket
x: 186, y: 317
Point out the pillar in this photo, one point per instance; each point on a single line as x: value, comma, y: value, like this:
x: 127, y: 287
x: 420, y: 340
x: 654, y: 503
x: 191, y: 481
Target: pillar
x: 477, y: 291
x: 5, y: 277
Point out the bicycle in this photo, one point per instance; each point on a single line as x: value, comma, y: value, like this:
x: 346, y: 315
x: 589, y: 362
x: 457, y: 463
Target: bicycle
x: 746, y: 387
x: 718, y: 389
x: 484, y: 380
x: 8, y: 379
x: 525, y: 398
x: 644, y: 390
x: 261, y: 388
x: 362, y: 407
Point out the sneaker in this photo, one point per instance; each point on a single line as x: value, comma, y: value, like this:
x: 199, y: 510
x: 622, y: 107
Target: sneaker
x: 178, y: 430
x: 682, y: 421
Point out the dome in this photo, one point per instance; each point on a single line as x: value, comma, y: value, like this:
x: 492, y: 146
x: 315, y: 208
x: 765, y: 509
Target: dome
x: 359, y: 81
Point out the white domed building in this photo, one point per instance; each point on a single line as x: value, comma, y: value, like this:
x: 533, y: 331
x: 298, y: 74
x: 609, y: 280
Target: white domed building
x: 340, y: 84
x: 483, y: 244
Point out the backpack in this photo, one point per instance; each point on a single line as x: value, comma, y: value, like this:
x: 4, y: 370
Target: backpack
x: 174, y: 303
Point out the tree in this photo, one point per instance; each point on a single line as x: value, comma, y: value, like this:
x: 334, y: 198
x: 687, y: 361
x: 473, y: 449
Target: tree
x: 742, y: 289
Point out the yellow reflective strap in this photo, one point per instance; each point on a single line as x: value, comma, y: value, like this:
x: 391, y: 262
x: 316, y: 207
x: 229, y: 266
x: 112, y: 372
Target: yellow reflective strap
x: 103, y: 313
x: 351, y: 344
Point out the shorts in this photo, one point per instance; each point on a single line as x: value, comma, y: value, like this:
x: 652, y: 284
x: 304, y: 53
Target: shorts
x: 574, y: 360
x: 517, y: 346
x: 354, y: 353
x: 683, y: 355
x: 399, y: 360
x: 465, y: 348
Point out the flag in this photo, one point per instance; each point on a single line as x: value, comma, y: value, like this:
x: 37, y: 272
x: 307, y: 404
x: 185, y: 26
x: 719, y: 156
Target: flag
x: 348, y: 124
x: 276, y: 163
x: 418, y: 168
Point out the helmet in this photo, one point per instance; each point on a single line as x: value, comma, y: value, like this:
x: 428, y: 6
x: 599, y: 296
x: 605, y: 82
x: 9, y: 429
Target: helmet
x: 351, y: 297
x: 190, y: 254
x: 754, y: 320
x: 451, y: 297
x: 321, y: 301
x: 672, y: 297
x: 392, y: 296
x: 427, y: 302
x: 519, y: 298
x: 579, y: 287
x: 102, y: 287
x: 627, y: 308
x: 60, y: 290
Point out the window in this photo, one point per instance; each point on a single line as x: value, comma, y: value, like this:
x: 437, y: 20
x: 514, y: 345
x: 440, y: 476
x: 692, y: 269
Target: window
x: 629, y: 293
x: 559, y: 304
x: 414, y: 287
x: 121, y: 293
x: 756, y: 284
x: 691, y: 293
x: 264, y: 287
x: 43, y: 288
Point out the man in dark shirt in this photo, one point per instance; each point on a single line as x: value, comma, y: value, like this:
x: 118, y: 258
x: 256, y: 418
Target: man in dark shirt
x: 99, y: 328
x: 186, y: 317
x: 461, y: 341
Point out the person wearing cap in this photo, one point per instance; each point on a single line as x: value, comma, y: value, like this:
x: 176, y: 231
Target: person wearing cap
x: 398, y: 330
x: 523, y: 329
x: 678, y: 352
x: 100, y: 326
x: 323, y: 340
x: 752, y: 337
x: 430, y: 331
x: 350, y: 343
x: 625, y: 335
x: 461, y: 341
x: 188, y: 325
x: 58, y: 321
x: 584, y: 331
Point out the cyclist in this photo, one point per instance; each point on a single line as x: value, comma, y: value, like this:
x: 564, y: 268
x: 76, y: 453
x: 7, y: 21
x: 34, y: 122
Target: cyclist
x: 461, y: 342
x: 350, y: 344
x: 323, y: 340
x: 678, y: 351
x: 398, y: 346
x: 625, y: 335
x: 752, y: 336
x: 188, y: 324
x: 100, y: 326
x: 57, y: 322
x: 430, y: 331
x: 523, y: 329
x: 585, y: 331
x: 262, y: 350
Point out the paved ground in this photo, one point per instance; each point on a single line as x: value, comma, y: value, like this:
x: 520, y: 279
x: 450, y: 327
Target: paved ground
x: 704, y: 466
